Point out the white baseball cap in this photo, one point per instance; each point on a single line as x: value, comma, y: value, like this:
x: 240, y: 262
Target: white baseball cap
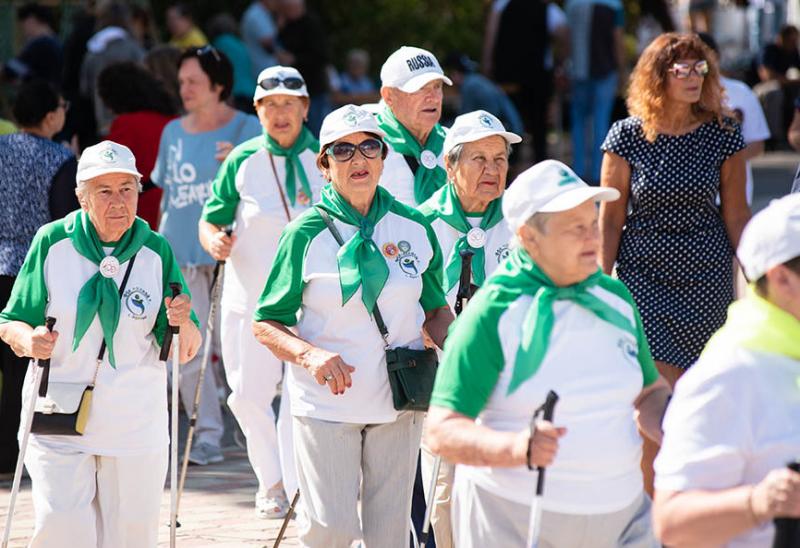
x: 276, y: 78
x: 548, y: 187
x: 409, y: 69
x: 345, y: 121
x: 474, y: 126
x: 772, y: 237
x: 106, y: 157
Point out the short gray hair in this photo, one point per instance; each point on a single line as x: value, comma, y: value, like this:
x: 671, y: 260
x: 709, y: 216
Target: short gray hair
x: 80, y: 187
x: 454, y: 154
x: 538, y: 221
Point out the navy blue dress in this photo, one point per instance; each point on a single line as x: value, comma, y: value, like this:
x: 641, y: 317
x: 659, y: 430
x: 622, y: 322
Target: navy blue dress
x: 674, y: 255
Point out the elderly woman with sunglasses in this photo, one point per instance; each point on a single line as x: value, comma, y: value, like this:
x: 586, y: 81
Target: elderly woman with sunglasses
x: 671, y: 240
x: 376, y: 264
x: 263, y: 184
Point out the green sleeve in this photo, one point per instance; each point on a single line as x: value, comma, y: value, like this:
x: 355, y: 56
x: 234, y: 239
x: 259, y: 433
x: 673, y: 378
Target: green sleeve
x: 171, y: 272
x: 473, y: 357
x: 433, y: 296
x: 220, y: 208
x: 29, y: 296
x: 282, y: 296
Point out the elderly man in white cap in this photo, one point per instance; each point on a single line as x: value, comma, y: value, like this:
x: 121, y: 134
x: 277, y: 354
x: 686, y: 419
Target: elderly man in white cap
x: 548, y: 319
x: 731, y: 429
x: 263, y: 184
x: 467, y: 215
x: 98, y: 453
x: 411, y: 90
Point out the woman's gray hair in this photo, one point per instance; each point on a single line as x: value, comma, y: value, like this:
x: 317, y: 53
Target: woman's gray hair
x: 80, y: 188
x: 454, y: 154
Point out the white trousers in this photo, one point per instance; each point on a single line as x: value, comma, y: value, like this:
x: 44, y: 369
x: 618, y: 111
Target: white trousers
x: 336, y: 461
x: 209, y: 428
x: 88, y: 501
x: 253, y: 374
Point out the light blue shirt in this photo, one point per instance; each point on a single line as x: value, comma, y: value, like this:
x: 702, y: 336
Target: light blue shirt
x: 185, y: 168
x: 257, y: 24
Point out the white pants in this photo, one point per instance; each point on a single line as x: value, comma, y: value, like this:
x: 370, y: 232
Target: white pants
x: 89, y: 501
x: 481, y: 518
x: 209, y: 428
x: 337, y: 460
x: 253, y: 374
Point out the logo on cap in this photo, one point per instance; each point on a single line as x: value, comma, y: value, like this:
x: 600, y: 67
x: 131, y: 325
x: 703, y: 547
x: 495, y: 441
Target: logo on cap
x: 419, y: 62
x: 353, y: 116
x: 485, y: 121
x: 566, y: 178
x: 109, y: 155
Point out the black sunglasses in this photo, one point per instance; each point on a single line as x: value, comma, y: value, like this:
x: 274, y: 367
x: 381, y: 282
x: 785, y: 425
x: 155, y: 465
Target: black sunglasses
x: 344, y: 152
x: 292, y: 82
x: 205, y: 50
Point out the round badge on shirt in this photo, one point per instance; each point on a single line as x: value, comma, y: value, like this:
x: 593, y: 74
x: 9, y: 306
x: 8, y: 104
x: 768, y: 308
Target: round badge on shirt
x: 428, y: 159
x: 109, y: 267
x: 476, y: 237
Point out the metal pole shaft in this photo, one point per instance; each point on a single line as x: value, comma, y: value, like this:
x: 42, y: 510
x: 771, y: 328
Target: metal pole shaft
x: 173, y: 463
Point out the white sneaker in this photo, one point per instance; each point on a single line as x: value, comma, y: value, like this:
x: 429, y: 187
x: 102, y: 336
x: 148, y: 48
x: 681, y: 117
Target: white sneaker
x: 272, y: 504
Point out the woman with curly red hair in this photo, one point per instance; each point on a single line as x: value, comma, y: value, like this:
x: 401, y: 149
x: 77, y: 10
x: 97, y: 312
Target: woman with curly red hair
x: 671, y: 239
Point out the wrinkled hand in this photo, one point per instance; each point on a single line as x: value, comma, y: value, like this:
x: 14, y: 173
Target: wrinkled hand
x: 223, y: 149
x: 777, y: 495
x: 41, y: 343
x: 179, y: 309
x: 221, y: 245
x: 543, y: 443
x: 328, y: 368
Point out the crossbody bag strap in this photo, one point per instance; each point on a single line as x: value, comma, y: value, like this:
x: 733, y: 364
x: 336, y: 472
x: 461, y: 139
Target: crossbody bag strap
x: 280, y: 190
x: 121, y: 290
x: 412, y: 163
x: 339, y: 240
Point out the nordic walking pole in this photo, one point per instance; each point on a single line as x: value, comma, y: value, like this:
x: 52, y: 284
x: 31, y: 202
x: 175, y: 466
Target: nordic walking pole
x: 215, y: 290
x: 285, y: 523
x: 787, y: 530
x: 463, y: 295
x: 535, y: 524
x: 23, y: 446
x: 171, y: 336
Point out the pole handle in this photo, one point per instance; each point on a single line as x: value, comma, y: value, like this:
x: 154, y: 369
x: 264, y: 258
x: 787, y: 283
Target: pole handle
x: 175, y: 288
x: 549, y: 405
x: 49, y: 322
x: 228, y: 232
x: 463, y: 293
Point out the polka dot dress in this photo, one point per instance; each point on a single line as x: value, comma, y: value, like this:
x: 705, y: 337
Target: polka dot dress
x: 674, y: 254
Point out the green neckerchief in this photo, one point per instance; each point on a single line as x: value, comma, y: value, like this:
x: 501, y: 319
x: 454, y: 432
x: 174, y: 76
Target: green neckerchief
x: 100, y: 295
x: 757, y: 324
x: 520, y: 274
x: 294, y: 168
x: 360, y: 261
x: 448, y: 208
x: 426, y: 181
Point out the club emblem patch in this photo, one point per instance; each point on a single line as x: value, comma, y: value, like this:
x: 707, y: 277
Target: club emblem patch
x: 390, y: 250
x: 407, y: 260
x: 136, y: 301
x: 502, y: 253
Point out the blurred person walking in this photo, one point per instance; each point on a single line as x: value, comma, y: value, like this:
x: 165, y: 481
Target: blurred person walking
x: 141, y: 108
x: 673, y: 248
x: 264, y: 183
x: 37, y: 177
x: 224, y: 36
x: 259, y: 33
x: 182, y: 28
x: 42, y: 56
x: 189, y: 155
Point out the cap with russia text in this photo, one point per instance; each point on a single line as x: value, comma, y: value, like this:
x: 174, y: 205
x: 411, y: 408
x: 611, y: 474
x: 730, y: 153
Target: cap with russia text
x: 409, y: 69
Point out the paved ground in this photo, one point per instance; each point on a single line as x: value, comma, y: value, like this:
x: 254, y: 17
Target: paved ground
x: 217, y: 508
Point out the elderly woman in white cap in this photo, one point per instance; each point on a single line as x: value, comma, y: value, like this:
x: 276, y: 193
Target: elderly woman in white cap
x: 467, y: 215
x: 411, y: 90
x: 263, y: 184
x: 548, y: 319
x: 103, y: 274
x: 357, y: 279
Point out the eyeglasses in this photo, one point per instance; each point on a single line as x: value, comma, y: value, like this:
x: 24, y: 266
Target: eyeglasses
x: 292, y: 82
x: 681, y: 71
x: 205, y: 50
x: 64, y: 104
x: 344, y: 152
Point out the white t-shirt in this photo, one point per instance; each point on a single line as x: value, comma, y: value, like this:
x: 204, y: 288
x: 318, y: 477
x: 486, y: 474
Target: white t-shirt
x: 733, y: 418
x: 597, y: 469
x: 398, y: 178
x: 128, y: 413
x: 303, y: 291
x: 246, y: 193
x: 754, y: 124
